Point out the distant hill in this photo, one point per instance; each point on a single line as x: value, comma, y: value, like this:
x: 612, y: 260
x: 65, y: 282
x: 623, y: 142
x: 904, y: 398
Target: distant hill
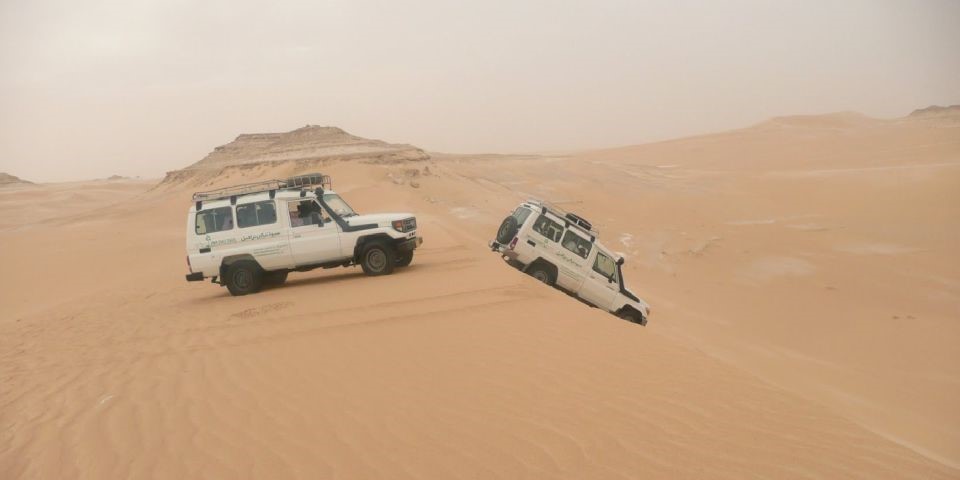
x: 842, y: 140
x: 936, y: 110
x: 304, y: 147
x: 7, y: 180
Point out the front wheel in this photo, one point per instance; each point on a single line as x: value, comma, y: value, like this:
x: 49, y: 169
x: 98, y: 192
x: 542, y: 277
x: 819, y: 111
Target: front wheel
x: 633, y: 317
x: 378, y: 259
x: 243, y: 278
x: 404, y: 258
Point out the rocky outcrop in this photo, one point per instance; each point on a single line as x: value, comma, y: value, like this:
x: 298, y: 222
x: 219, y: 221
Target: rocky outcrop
x: 9, y: 180
x: 304, y: 147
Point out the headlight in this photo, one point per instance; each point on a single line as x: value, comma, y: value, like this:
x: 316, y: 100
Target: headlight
x: 405, y: 225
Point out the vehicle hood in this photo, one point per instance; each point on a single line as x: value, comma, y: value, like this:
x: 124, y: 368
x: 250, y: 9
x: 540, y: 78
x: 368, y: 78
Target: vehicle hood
x: 379, y: 219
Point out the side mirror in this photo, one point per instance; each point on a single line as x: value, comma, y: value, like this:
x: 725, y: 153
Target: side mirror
x: 620, y: 261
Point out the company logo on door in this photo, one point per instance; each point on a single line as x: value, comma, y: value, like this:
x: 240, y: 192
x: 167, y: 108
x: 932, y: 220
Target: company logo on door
x: 258, y: 236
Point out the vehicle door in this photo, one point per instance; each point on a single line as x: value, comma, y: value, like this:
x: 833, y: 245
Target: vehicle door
x: 312, y: 240
x: 214, y: 237
x: 261, y: 234
x: 572, y: 252
x: 601, y: 285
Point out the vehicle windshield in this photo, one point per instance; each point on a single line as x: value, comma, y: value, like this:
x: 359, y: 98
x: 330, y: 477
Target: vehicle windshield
x: 337, y: 205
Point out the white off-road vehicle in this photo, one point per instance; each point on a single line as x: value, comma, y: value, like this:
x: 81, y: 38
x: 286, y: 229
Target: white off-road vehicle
x: 561, y: 250
x: 246, y: 236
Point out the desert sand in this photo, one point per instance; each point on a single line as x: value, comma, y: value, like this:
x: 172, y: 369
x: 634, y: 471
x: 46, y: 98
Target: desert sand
x: 802, y: 273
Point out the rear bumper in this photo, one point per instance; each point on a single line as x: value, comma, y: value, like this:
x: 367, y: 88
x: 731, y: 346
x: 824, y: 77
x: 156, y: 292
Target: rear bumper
x: 509, y: 255
x: 195, y: 277
x: 409, y: 244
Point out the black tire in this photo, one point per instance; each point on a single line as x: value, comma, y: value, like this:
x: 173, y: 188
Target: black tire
x: 542, y: 273
x: 378, y: 258
x: 274, y: 279
x: 508, y: 229
x: 633, y: 316
x: 404, y: 258
x: 243, y: 278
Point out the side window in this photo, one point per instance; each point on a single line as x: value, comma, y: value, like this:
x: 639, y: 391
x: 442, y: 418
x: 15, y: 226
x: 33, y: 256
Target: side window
x: 576, y: 244
x: 521, y: 214
x: 606, y: 266
x: 214, y: 220
x: 253, y: 214
x: 301, y: 213
x: 548, y: 228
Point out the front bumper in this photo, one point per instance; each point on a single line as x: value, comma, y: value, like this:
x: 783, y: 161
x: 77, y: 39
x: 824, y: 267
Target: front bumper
x: 195, y: 277
x: 409, y: 244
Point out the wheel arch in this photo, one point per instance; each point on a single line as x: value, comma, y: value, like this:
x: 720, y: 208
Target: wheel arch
x: 631, y: 309
x: 540, y: 261
x: 367, y: 239
x: 230, y: 260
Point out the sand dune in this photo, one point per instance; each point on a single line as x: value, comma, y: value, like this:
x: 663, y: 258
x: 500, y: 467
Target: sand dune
x: 803, y: 325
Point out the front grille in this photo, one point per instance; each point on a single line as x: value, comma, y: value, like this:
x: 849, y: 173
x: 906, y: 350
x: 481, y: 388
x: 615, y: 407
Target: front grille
x: 410, y: 224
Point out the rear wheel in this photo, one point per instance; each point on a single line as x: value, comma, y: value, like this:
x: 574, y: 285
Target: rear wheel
x: 542, y: 273
x: 243, y: 278
x: 508, y: 229
x: 274, y: 279
x: 378, y: 259
x: 404, y: 258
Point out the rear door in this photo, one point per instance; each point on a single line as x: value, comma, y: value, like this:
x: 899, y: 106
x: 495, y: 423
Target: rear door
x: 311, y: 240
x: 601, y: 284
x: 213, y: 238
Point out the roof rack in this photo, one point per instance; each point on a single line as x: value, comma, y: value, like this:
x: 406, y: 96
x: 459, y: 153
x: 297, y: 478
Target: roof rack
x: 571, y: 218
x: 298, y: 182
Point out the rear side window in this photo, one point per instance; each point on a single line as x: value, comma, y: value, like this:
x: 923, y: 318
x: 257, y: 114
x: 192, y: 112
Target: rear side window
x: 548, y: 228
x: 214, y: 220
x: 576, y: 244
x: 521, y: 214
x: 253, y: 214
x: 606, y: 266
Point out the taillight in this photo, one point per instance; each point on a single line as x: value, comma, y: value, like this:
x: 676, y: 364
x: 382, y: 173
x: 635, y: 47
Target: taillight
x: 513, y: 243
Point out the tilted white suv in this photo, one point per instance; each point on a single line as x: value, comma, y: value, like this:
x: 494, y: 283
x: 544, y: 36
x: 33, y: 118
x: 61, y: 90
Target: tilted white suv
x: 246, y: 236
x: 561, y: 249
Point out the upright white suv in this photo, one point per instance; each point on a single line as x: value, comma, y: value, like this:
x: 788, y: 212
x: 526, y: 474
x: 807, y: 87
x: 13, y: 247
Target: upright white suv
x: 246, y: 236
x: 561, y: 249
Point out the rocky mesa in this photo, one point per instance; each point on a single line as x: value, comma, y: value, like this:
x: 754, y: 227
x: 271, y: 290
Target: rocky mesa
x: 301, y: 148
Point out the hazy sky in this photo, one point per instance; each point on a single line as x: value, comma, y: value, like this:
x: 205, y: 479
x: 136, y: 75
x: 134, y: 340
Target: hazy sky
x: 92, y: 88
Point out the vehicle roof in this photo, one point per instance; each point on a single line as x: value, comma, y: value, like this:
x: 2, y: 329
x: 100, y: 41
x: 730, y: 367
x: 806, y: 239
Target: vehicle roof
x: 560, y: 214
x: 257, y: 197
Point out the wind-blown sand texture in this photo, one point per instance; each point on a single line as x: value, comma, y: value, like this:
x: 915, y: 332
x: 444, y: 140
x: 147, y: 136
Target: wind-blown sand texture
x: 803, y: 276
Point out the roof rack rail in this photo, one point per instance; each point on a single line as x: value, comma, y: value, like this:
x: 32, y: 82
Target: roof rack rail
x: 295, y: 182
x: 569, y: 217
